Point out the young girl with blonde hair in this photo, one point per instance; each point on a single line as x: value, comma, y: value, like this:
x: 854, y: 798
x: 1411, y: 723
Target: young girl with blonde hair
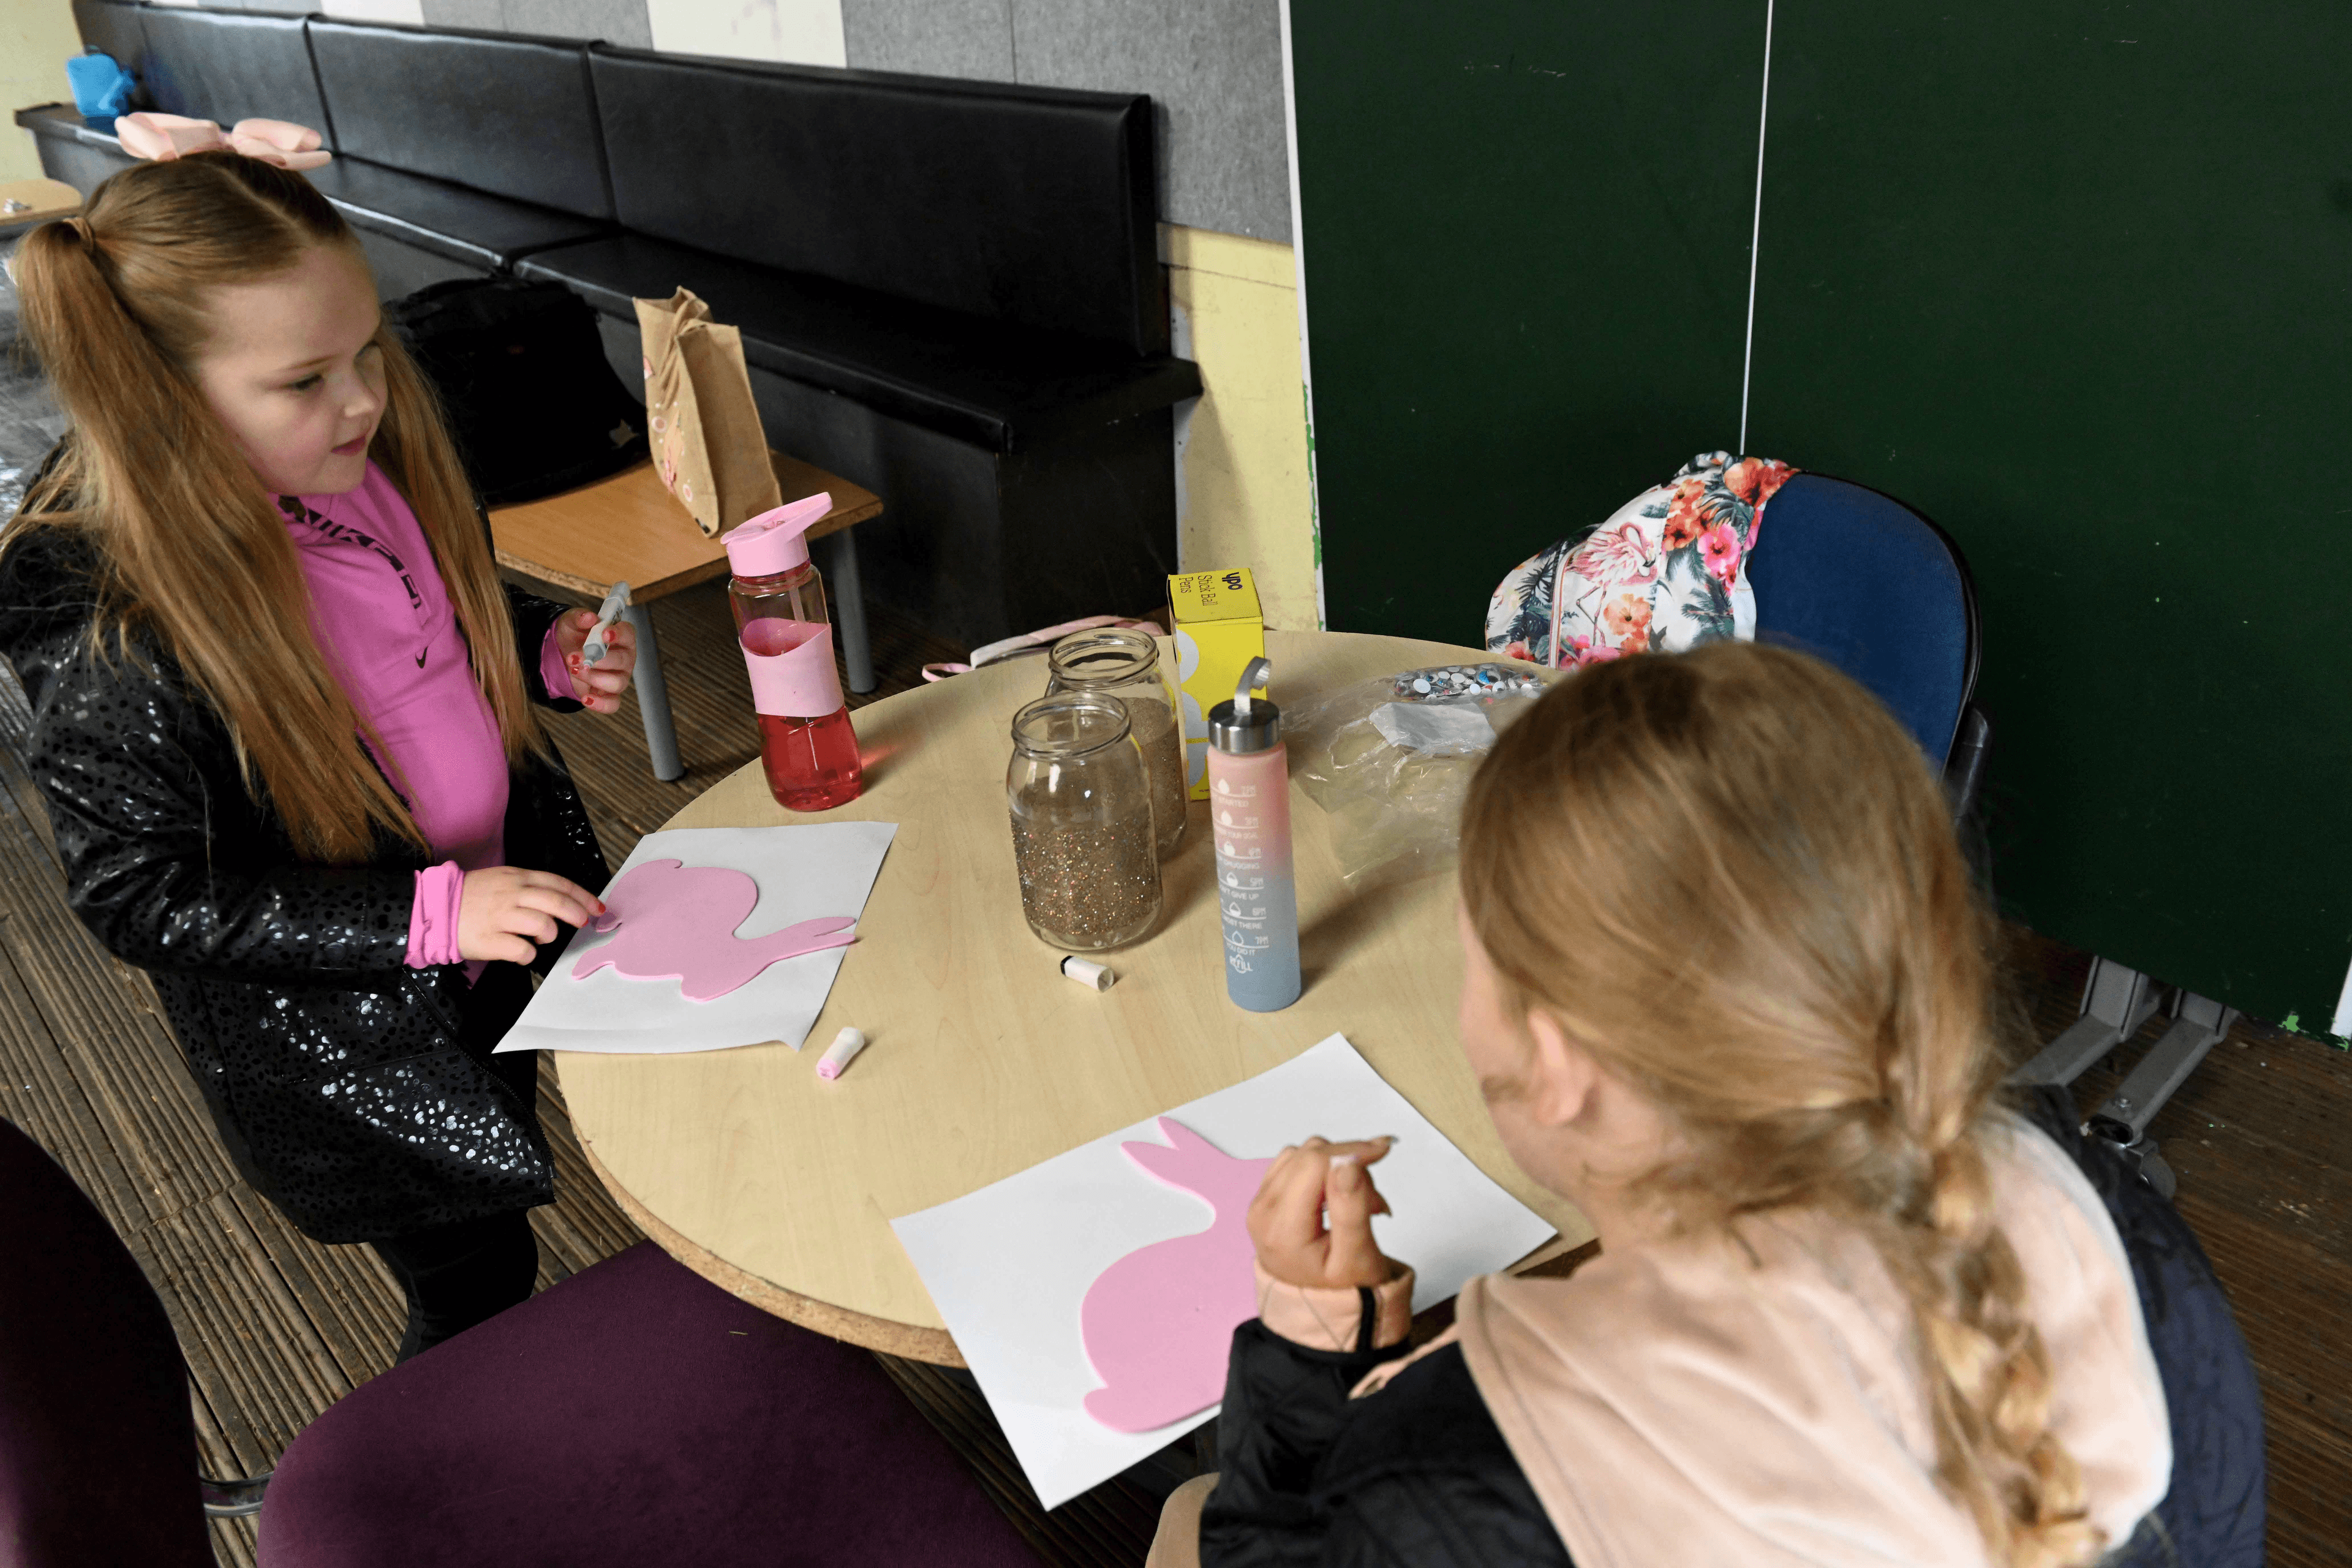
x: 1730, y: 990
x: 283, y: 715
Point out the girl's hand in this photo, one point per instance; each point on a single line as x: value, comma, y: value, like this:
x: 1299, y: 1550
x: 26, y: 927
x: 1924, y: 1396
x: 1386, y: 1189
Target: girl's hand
x: 504, y: 909
x: 1286, y: 1219
x: 599, y: 685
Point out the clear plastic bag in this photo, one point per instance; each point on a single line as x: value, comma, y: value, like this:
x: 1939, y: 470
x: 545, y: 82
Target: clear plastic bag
x: 1390, y: 761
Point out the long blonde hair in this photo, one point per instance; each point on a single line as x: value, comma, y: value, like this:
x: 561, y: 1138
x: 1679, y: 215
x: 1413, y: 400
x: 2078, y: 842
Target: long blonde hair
x: 193, y: 552
x: 1731, y: 877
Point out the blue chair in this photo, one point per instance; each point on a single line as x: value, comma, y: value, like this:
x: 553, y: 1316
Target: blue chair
x: 1861, y: 581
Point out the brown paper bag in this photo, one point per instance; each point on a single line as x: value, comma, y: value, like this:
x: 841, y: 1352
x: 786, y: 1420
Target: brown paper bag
x: 707, y: 438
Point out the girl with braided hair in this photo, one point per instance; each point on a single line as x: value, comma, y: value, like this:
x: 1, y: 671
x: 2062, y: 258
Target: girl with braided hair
x: 1730, y: 988
x: 283, y: 710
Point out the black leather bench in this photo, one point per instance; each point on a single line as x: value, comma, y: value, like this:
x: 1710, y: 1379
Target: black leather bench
x: 948, y: 291
x: 474, y: 149
x: 419, y: 220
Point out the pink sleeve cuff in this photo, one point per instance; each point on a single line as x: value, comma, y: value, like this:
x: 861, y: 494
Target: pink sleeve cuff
x: 1332, y: 1320
x: 433, y: 917
x: 552, y: 671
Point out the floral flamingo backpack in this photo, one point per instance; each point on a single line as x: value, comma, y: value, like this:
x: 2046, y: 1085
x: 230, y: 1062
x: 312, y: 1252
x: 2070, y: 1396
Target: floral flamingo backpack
x: 1668, y: 570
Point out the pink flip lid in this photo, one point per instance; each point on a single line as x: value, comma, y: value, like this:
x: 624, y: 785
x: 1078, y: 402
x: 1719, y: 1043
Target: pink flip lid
x: 772, y: 542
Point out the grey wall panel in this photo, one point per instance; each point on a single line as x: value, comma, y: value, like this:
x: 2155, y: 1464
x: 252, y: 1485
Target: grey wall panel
x: 623, y: 22
x: 483, y: 16
x: 1214, y: 69
x: 969, y: 39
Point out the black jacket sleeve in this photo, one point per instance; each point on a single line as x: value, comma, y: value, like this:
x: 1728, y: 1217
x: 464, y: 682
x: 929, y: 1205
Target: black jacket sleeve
x: 1416, y: 1473
x: 167, y: 860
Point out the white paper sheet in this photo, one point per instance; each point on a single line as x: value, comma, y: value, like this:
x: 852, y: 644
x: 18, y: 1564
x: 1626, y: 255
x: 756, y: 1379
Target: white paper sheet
x: 823, y: 869
x: 1008, y: 1265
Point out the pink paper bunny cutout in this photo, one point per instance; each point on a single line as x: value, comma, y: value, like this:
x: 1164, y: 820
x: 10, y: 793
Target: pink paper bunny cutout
x: 677, y: 922
x: 1159, y: 1323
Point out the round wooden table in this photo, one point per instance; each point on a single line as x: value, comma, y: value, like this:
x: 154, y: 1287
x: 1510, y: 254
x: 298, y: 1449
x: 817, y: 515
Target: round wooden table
x: 983, y: 1059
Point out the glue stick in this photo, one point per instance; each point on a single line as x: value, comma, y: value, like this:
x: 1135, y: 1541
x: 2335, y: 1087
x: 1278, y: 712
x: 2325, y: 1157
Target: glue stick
x: 846, y: 1046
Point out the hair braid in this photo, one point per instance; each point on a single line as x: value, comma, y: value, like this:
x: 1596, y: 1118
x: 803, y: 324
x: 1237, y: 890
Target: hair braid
x: 1986, y: 1371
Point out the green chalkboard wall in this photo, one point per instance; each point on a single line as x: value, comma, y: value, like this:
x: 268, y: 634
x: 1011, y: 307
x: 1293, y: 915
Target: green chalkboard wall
x: 2073, y: 277
x: 1527, y: 276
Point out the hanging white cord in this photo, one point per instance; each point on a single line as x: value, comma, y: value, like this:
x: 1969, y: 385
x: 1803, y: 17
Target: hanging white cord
x: 1755, y: 234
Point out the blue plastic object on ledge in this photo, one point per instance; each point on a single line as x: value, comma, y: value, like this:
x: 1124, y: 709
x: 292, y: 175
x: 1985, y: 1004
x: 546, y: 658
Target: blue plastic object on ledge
x: 102, y: 87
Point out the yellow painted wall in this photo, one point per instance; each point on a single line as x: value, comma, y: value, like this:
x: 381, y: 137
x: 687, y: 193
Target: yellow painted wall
x: 1241, y: 491
x: 36, y: 39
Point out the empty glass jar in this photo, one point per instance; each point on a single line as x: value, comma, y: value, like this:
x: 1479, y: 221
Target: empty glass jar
x: 1081, y: 810
x: 1124, y: 664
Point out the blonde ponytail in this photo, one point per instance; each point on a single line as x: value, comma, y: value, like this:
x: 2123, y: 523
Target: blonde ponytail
x: 1731, y: 877
x: 193, y: 553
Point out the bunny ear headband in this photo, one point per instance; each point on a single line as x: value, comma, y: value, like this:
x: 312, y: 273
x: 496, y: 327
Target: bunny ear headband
x: 163, y: 137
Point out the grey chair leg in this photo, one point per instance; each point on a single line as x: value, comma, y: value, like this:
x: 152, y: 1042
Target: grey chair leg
x: 2117, y: 1001
x: 653, y: 698
x: 2198, y: 1024
x: 849, y: 608
x: 233, y: 1499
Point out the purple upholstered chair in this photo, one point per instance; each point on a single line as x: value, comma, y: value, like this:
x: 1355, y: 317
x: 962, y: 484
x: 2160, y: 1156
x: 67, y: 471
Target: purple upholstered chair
x: 98, y: 1445
x: 634, y: 1414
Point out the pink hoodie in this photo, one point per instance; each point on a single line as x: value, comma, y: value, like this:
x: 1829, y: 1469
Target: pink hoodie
x: 385, y: 621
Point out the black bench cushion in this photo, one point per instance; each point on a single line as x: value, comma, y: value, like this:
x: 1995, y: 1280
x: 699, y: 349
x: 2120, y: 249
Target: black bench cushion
x: 64, y: 121
x: 114, y: 30
x: 988, y: 383
x: 1024, y: 204
x: 450, y: 220
x: 513, y: 116
x: 232, y: 64
x: 481, y: 230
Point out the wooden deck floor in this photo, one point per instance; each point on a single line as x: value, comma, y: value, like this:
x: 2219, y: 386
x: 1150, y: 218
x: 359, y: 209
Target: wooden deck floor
x: 276, y: 1328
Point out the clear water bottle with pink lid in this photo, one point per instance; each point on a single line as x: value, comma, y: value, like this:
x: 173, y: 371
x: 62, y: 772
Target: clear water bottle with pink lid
x: 806, y: 746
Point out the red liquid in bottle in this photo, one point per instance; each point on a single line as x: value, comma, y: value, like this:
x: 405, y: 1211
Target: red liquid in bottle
x: 811, y: 764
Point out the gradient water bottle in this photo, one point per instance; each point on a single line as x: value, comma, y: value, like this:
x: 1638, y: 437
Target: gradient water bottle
x: 1249, y: 820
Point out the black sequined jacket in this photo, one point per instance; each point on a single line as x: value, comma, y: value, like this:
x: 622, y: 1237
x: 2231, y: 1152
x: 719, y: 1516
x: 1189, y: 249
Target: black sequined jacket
x: 332, y: 1069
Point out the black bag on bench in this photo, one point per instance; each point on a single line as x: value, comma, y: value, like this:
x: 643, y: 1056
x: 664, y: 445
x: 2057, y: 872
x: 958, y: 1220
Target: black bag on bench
x: 532, y: 402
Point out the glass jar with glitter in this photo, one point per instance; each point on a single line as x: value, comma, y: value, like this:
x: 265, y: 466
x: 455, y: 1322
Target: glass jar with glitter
x: 1081, y: 804
x: 1124, y: 664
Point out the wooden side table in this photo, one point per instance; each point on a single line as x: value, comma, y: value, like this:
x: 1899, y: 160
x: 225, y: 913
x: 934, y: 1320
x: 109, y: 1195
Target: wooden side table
x: 628, y: 528
x: 40, y: 200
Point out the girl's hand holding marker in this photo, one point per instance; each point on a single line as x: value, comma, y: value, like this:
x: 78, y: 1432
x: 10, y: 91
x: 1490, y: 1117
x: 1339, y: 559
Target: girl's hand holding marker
x: 597, y: 682
x: 1312, y: 1217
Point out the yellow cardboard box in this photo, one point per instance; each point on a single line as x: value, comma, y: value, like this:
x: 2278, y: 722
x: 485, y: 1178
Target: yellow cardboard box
x: 1219, y: 629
